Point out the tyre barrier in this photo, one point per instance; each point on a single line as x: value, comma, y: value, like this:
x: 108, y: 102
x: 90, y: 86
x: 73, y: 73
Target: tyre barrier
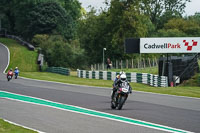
x: 144, y: 78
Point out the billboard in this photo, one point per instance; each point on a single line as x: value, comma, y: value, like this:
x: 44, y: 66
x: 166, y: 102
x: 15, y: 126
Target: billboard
x: 170, y: 45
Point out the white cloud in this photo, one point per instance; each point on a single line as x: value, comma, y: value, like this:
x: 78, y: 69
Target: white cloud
x: 191, y: 7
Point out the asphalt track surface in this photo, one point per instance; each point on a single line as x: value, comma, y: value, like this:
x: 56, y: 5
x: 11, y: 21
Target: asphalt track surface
x: 177, y: 112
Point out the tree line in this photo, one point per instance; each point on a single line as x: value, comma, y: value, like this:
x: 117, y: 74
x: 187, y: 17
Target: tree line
x: 71, y: 37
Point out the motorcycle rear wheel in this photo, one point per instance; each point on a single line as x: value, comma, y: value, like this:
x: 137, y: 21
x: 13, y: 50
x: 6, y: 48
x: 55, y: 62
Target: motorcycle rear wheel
x: 113, y: 106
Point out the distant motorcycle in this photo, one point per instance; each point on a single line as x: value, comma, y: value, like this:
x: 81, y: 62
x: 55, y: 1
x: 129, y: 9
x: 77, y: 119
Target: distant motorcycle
x: 16, y: 73
x: 120, y: 96
x: 9, y: 75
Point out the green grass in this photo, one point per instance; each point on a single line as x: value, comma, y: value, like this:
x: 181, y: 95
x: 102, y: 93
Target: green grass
x: 179, y: 90
x: 6, y: 127
x: 192, y: 82
x: 190, y: 89
x: 20, y: 56
x: 25, y: 60
x: 152, y: 70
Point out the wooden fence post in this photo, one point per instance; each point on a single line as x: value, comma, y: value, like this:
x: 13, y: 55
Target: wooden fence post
x: 156, y: 62
x: 144, y: 63
x: 121, y: 65
x: 149, y: 62
x: 91, y: 68
x: 126, y: 63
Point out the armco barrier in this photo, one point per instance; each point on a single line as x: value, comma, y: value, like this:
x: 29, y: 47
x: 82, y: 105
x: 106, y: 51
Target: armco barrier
x: 145, y: 78
x: 21, y: 41
x: 59, y: 70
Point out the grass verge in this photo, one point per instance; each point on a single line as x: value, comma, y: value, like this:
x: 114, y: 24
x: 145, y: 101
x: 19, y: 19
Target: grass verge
x: 179, y: 90
x: 29, y: 68
x: 20, y: 56
x: 6, y: 127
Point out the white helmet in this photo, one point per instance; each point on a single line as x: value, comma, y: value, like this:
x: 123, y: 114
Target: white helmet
x: 123, y: 77
x: 16, y: 67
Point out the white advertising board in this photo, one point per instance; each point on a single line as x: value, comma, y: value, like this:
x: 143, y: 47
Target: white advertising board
x: 170, y: 45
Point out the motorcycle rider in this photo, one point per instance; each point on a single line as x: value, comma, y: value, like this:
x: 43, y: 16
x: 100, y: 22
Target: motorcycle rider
x: 120, y: 79
x: 16, y: 72
x: 10, y: 73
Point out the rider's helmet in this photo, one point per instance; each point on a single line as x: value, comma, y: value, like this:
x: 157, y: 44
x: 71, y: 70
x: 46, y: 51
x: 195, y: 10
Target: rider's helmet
x: 16, y: 67
x: 123, y: 77
x: 10, y: 69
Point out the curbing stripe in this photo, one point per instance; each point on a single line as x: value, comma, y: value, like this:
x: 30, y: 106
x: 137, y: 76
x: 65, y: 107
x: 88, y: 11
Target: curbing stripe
x: 89, y: 112
x: 0, y: 92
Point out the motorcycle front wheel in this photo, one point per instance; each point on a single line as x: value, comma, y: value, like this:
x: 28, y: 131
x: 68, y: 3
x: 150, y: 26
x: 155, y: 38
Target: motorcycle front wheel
x: 122, y: 100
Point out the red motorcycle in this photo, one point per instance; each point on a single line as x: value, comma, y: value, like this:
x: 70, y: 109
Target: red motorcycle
x: 9, y: 75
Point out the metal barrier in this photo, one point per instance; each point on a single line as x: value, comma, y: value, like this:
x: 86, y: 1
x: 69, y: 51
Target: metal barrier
x: 21, y: 41
x: 144, y: 78
x: 59, y: 70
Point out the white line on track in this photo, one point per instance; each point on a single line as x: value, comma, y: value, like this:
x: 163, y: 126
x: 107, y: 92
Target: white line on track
x: 156, y: 126
x: 22, y: 126
x: 74, y: 85
x: 5, y: 73
x: 87, y: 85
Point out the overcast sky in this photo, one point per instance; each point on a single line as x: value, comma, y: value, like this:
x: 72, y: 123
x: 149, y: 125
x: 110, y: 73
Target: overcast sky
x: 191, y: 7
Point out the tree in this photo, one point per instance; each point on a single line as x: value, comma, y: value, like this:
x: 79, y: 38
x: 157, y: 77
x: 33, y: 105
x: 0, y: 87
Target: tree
x: 157, y: 8
x: 93, y: 34
x: 73, y: 7
x: 30, y: 17
x: 110, y: 28
x: 180, y: 27
x: 49, y: 18
x: 59, y: 53
x: 170, y: 33
x: 133, y: 24
x: 14, y: 12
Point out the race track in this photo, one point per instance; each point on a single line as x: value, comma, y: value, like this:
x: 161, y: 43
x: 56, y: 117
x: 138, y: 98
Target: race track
x: 172, y: 111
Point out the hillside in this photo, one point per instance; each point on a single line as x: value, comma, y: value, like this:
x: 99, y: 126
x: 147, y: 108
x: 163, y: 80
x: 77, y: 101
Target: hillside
x: 20, y: 56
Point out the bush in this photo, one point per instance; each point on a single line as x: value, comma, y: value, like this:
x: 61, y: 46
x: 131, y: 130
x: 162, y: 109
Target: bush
x: 60, y: 53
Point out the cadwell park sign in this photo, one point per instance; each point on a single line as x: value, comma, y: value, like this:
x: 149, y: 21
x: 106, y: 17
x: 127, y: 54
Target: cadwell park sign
x: 181, y: 67
x: 170, y: 45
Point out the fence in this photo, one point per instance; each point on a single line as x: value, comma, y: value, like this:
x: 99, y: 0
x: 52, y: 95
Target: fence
x: 21, y: 41
x: 145, y: 78
x: 127, y: 64
x: 59, y: 70
x: 3, y: 33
